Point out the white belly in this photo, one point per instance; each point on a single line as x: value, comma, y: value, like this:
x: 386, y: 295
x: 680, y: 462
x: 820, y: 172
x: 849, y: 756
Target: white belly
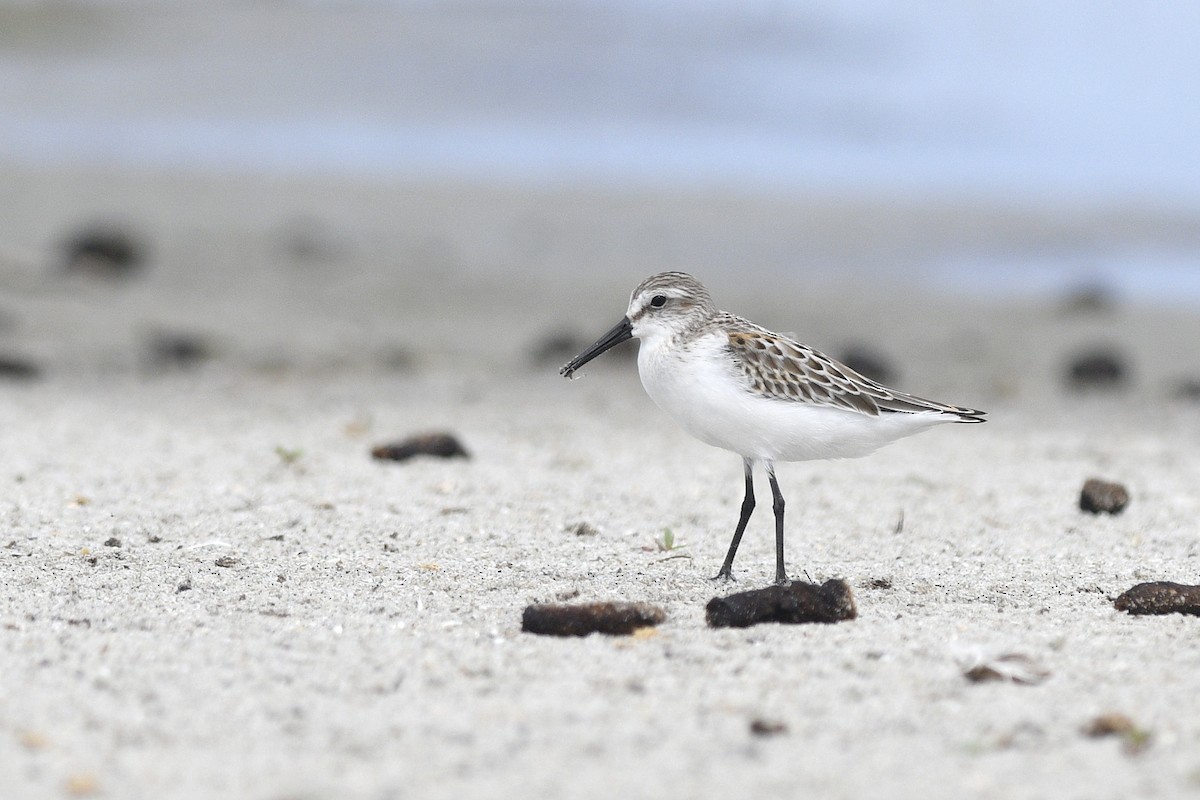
x: 706, y: 394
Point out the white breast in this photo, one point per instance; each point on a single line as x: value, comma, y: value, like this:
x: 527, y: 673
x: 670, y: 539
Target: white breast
x: 703, y: 390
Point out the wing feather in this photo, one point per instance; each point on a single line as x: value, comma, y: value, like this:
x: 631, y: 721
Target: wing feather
x: 780, y: 368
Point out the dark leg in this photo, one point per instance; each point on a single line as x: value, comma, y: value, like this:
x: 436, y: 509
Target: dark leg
x: 747, y: 509
x: 780, y: 572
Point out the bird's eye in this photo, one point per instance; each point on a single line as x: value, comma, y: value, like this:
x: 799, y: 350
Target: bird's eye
x: 658, y: 301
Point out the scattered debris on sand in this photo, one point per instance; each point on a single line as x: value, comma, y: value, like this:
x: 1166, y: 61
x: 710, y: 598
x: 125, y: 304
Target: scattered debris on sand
x: 1134, y: 739
x: 767, y: 727
x: 103, y: 251
x: 793, y: 603
x: 1103, y: 497
x: 582, y: 619
x: 1100, y: 368
x: 16, y: 368
x: 441, y: 445
x: 1160, y: 597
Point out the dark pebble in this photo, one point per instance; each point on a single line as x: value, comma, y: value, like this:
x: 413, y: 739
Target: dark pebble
x: 1187, y: 389
x: 581, y: 619
x: 1096, y: 369
x: 1110, y: 724
x: 103, y: 252
x: 1103, y: 497
x: 797, y: 602
x: 868, y: 362
x: 166, y: 349
x: 18, y: 369
x: 442, y: 445
x: 1160, y: 597
x: 766, y: 727
x: 1134, y: 738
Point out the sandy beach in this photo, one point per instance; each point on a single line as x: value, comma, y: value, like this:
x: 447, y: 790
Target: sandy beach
x: 211, y: 590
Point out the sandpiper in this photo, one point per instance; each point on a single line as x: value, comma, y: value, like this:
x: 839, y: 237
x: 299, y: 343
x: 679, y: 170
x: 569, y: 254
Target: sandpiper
x: 738, y: 386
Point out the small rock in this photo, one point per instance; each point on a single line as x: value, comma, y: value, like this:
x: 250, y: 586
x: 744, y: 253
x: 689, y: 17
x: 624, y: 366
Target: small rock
x: 1134, y: 739
x: 1187, y: 389
x: 226, y: 562
x: 104, y: 251
x: 442, y: 445
x: 582, y: 619
x: 1160, y: 597
x: 1110, y: 724
x: 1014, y: 667
x: 15, y: 368
x: 797, y: 602
x: 1103, y: 497
x: 1096, y: 369
x: 868, y: 362
x: 765, y: 727
x: 167, y: 349
x: 112, y: 541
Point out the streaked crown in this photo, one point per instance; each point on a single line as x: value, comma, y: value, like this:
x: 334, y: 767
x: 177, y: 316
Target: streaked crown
x: 668, y: 302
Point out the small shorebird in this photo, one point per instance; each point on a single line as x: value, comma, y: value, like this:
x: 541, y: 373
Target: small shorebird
x: 738, y: 386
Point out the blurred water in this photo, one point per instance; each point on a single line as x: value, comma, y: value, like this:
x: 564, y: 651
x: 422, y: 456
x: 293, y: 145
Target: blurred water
x: 1025, y: 102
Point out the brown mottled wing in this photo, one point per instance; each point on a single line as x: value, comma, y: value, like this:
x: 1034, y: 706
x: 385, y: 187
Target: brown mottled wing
x: 777, y: 367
